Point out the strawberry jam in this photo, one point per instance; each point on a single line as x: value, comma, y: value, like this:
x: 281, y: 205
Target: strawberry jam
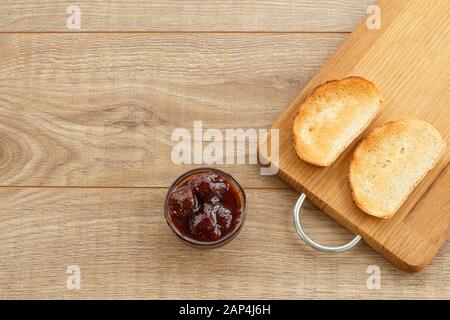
x: 205, y: 206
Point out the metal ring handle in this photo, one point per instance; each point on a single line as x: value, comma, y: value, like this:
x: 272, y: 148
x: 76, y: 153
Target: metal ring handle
x: 309, y: 241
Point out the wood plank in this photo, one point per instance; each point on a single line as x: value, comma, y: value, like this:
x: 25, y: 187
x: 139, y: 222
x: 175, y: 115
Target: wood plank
x: 119, y: 239
x: 99, y: 110
x: 182, y: 15
x: 408, y: 52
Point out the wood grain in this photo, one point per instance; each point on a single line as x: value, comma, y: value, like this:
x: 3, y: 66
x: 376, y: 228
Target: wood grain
x: 119, y: 239
x: 96, y: 108
x: 409, y: 52
x: 185, y: 15
x: 99, y: 110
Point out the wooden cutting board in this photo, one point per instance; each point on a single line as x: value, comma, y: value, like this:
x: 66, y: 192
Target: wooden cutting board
x: 408, y: 59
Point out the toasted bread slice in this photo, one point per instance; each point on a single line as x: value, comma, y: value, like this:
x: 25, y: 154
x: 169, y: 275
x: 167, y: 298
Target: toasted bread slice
x: 332, y: 117
x: 390, y: 162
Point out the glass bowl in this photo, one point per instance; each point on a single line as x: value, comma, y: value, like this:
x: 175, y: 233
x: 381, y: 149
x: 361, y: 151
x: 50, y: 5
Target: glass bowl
x: 230, y: 234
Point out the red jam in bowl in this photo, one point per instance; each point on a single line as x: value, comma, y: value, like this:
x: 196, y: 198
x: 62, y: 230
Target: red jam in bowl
x: 205, y: 206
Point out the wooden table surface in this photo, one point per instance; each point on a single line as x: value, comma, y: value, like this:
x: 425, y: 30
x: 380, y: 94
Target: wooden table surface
x: 86, y: 118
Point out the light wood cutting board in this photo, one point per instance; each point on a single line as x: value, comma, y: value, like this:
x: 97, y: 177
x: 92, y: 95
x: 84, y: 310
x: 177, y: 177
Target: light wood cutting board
x: 408, y: 59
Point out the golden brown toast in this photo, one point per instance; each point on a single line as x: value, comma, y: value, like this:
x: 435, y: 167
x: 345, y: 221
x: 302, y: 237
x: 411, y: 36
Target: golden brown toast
x: 390, y: 162
x: 335, y: 114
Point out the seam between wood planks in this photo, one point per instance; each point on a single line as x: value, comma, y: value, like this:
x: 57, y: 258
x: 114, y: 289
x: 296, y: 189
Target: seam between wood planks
x: 178, y: 32
x: 116, y: 187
